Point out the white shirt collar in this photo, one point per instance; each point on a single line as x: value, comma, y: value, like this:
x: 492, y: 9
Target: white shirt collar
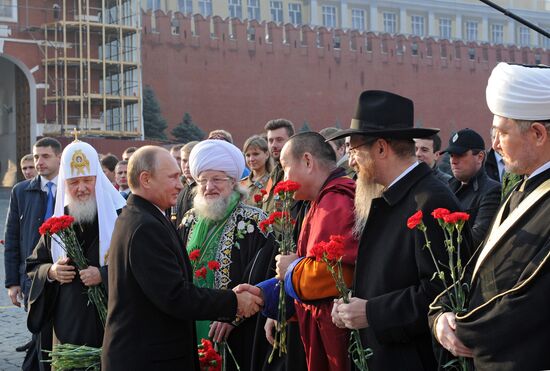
x: 544, y: 167
x: 44, y: 181
x: 407, y: 170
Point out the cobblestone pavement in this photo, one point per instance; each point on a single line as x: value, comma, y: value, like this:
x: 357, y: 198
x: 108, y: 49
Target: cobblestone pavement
x: 13, y: 331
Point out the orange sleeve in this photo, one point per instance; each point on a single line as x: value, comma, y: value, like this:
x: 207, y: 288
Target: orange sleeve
x: 313, y: 281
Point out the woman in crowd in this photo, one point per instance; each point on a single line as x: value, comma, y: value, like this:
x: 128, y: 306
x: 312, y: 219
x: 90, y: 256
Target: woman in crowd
x: 260, y: 164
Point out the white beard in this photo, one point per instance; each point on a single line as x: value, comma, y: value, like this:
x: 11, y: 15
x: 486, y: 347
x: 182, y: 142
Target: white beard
x: 82, y: 211
x: 212, y: 209
x: 366, y: 190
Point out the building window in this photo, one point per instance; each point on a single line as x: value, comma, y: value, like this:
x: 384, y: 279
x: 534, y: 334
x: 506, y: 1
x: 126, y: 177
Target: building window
x: 205, y: 7
x: 497, y: 34
x: 358, y: 19
x: 8, y: 10
x: 545, y: 42
x: 390, y: 23
x: 152, y: 4
x: 295, y: 13
x: 445, y: 28
x: 235, y: 8
x: 417, y: 25
x: 524, y: 36
x: 329, y: 16
x: 185, y: 6
x: 471, y: 31
x: 276, y: 8
x: 254, y: 9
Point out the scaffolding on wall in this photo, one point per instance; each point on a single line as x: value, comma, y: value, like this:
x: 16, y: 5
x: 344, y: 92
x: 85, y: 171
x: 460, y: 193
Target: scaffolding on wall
x: 92, y: 64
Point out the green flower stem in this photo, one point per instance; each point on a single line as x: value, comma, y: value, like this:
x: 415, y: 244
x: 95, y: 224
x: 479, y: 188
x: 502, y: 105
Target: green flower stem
x: 358, y: 354
x: 428, y: 246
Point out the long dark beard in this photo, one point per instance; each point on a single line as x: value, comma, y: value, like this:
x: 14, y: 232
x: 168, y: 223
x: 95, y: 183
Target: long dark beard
x: 365, y: 192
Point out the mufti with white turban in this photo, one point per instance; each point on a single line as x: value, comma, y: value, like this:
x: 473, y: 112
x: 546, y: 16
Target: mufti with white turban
x: 225, y: 231
x: 510, y: 279
x: 58, y: 291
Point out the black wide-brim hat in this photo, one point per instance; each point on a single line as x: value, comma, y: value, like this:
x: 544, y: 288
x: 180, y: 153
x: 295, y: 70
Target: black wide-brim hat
x: 382, y: 114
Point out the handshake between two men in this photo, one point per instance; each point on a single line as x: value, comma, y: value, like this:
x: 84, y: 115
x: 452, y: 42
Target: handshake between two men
x: 249, y: 302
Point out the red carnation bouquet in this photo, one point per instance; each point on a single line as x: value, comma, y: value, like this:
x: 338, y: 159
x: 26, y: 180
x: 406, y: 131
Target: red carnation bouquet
x: 209, y: 359
x: 331, y: 253
x: 60, y: 228
x: 452, y: 224
x: 201, y: 269
x: 282, y: 224
x: 70, y: 356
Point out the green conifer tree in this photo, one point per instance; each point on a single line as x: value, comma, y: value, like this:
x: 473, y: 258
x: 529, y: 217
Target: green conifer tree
x: 153, y: 122
x: 187, y: 131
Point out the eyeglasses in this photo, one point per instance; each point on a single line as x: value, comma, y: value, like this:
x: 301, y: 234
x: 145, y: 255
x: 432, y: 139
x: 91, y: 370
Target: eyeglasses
x: 216, y: 181
x: 353, y: 150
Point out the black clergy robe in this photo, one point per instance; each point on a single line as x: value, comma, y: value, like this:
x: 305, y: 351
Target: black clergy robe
x: 394, y: 272
x: 75, y: 321
x: 244, y: 256
x: 507, y: 324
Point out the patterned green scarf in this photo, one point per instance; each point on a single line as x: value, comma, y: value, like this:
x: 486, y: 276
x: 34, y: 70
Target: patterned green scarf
x: 206, y: 234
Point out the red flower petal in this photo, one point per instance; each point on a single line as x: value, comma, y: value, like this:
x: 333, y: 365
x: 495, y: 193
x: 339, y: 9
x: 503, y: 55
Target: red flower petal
x: 440, y: 213
x: 213, y: 265
x: 194, y: 255
x: 415, y: 220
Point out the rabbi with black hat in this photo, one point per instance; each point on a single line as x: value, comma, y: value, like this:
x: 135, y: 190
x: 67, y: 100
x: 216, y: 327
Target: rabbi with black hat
x: 393, y: 285
x: 478, y: 194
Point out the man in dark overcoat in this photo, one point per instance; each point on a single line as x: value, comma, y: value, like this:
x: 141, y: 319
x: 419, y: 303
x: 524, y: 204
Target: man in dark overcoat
x: 393, y: 283
x: 478, y: 194
x: 507, y: 326
x: 153, y: 303
x: 28, y: 208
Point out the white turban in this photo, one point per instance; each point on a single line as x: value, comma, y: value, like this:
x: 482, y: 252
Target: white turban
x: 217, y: 155
x: 519, y: 92
x: 80, y: 159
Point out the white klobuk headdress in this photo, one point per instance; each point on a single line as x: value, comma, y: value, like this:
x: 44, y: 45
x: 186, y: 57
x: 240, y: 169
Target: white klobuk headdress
x: 81, y: 159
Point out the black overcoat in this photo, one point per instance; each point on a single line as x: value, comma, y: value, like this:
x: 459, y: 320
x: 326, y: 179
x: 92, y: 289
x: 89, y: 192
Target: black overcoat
x: 152, y: 300
x: 393, y: 271
x: 507, y: 324
x: 480, y: 198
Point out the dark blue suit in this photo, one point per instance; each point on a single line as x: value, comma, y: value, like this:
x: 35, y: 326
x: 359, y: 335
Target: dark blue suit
x: 25, y: 216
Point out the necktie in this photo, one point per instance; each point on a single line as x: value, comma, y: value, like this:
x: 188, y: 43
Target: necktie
x: 515, y: 198
x: 49, y: 203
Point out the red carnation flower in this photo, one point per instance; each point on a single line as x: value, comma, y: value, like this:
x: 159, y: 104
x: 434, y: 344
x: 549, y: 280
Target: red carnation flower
x: 334, y: 250
x: 264, y: 224
x: 206, y: 344
x: 318, y: 250
x: 201, y: 273
x: 258, y: 198
x: 462, y: 216
x: 415, y: 219
x: 263, y: 192
x: 194, y: 255
x: 2, y: 242
x: 286, y: 186
x: 450, y: 219
x: 45, y: 227
x: 440, y: 213
x: 213, y: 265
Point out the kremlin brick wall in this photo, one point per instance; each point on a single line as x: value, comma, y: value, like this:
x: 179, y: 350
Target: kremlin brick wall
x: 227, y: 79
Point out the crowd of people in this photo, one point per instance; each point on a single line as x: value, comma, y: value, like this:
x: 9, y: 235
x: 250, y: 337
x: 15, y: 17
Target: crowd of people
x: 175, y: 239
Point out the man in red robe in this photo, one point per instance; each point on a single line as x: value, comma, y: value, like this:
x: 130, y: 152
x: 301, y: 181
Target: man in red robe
x: 308, y: 160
